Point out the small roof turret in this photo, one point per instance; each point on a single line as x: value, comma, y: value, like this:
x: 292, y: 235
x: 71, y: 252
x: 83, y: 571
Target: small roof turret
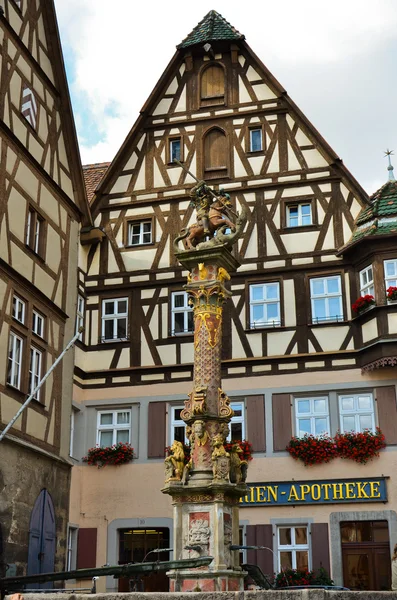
x: 213, y: 27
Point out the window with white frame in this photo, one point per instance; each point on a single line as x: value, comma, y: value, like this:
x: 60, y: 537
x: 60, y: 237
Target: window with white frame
x: 175, y: 149
x: 256, y: 139
x: 367, y: 281
x: 299, y: 215
x: 37, y: 323
x: 181, y: 313
x: 80, y: 315
x: 114, y: 319
x: 18, y: 309
x: 326, y: 299
x: 356, y: 412
x: 113, y: 427
x: 139, y: 233
x: 72, y: 425
x: 312, y: 416
x: 265, y: 305
x: 29, y: 106
x: 390, y: 267
x: 293, y: 547
x: 237, y: 423
x: 15, y: 346
x: 71, y: 559
x: 35, y: 370
x: 35, y: 232
x: 178, y: 426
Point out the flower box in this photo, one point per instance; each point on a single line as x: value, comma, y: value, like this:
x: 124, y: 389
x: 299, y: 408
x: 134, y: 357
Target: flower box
x: 391, y: 294
x: 363, y: 303
x: 312, y: 450
x: 118, y: 454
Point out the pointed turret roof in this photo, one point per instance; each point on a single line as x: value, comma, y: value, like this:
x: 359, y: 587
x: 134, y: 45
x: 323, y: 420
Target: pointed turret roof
x: 212, y: 27
x: 377, y: 219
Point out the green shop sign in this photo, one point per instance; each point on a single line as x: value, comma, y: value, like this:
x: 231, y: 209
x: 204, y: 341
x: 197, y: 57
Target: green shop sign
x: 330, y: 491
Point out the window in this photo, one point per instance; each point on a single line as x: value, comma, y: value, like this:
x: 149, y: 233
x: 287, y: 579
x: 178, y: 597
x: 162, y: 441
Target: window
x: 256, y: 144
x: 72, y: 548
x: 114, y: 319
x: 35, y: 366
x: 178, y: 426
x: 80, y: 315
x: 72, y: 426
x: 175, y: 150
x: 18, y: 309
x: 237, y: 425
x: 38, y: 324
x: 15, y: 347
x: 326, y: 299
x: 35, y: 231
x: 212, y: 86
x: 312, y: 416
x: 390, y: 273
x: 293, y: 548
x: 113, y: 427
x: 139, y: 233
x: 265, y: 305
x: 181, y: 314
x: 29, y: 106
x: 356, y: 412
x: 215, y: 153
x: 299, y: 215
x: 367, y: 281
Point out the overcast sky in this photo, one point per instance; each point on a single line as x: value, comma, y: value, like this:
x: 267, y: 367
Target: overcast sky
x: 337, y: 61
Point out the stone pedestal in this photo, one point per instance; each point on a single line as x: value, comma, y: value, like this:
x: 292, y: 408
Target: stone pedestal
x: 206, y: 513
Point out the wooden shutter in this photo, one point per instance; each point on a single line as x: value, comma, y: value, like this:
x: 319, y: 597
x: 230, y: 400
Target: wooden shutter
x: 212, y: 82
x: 320, y: 546
x: 156, y: 430
x: 282, y: 424
x: 86, y: 548
x: 256, y: 422
x: 215, y: 150
x: 261, y: 535
x: 387, y: 412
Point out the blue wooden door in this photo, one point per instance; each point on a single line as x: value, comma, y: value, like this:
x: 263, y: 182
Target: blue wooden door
x: 42, y: 538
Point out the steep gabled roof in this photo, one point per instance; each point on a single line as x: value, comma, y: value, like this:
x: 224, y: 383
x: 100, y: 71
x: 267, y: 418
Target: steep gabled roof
x: 377, y: 219
x: 66, y: 113
x: 93, y: 175
x: 212, y: 27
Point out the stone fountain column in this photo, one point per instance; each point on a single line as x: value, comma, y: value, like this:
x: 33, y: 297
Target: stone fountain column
x: 206, y: 500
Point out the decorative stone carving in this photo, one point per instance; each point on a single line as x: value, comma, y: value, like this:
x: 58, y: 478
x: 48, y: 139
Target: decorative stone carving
x: 196, y: 405
x: 222, y: 275
x: 238, y: 467
x: 175, y: 463
x: 199, y: 533
x: 220, y: 459
x: 223, y: 403
x: 199, y: 435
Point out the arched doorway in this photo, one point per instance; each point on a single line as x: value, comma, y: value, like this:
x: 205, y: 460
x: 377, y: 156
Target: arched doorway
x: 42, y: 538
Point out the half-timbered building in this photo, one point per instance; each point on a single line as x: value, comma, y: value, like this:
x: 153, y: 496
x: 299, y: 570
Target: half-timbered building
x: 42, y: 203
x: 296, y: 359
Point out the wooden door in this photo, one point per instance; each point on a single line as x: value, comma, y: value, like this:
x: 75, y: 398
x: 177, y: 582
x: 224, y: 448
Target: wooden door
x: 366, y: 567
x: 42, y: 539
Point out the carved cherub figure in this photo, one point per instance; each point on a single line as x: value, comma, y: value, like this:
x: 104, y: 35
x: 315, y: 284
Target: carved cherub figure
x: 174, y: 464
x: 220, y: 458
x: 238, y: 467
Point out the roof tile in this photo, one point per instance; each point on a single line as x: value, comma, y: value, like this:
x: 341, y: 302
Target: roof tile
x: 212, y: 27
x: 93, y: 175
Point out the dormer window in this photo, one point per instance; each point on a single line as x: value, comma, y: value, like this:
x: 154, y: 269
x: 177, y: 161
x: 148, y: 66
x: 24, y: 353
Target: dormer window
x: 212, y: 88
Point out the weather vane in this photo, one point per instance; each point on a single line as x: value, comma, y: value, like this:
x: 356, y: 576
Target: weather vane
x: 389, y: 153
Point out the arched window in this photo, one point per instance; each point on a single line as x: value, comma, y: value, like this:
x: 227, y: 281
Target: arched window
x: 215, y: 154
x: 212, y: 90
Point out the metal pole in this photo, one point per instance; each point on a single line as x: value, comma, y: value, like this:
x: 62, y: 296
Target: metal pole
x: 32, y: 395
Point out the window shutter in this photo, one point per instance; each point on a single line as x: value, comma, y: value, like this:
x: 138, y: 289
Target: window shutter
x: 387, y: 412
x: 86, y: 548
x: 156, y: 430
x: 256, y: 422
x: 282, y: 424
x: 320, y: 546
x: 261, y: 535
x: 215, y: 149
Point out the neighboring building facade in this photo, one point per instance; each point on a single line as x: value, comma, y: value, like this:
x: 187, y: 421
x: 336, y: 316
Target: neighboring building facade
x: 295, y: 358
x: 42, y: 203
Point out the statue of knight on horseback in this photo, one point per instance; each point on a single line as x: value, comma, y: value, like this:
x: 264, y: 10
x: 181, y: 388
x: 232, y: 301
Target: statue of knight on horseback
x: 215, y: 225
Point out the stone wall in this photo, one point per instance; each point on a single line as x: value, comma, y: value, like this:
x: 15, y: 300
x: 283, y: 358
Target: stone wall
x: 256, y: 595
x: 24, y: 472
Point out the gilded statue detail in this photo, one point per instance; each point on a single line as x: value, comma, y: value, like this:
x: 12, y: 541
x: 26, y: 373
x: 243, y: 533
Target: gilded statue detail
x: 175, y: 463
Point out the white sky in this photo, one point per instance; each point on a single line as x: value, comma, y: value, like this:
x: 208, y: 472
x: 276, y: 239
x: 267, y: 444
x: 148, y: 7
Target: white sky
x: 335, y: 59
